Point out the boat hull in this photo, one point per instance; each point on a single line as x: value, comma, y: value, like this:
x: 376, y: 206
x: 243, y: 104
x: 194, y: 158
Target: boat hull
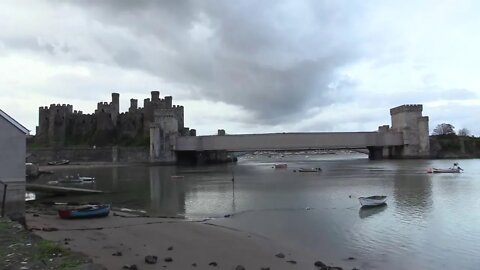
x: 59, y: 162
x: 373, y: 200
x: 90, y: 211
x: 309, y: 170
x: 435, y: 170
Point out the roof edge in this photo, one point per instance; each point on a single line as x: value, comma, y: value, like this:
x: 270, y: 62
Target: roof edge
x: 14, y: 122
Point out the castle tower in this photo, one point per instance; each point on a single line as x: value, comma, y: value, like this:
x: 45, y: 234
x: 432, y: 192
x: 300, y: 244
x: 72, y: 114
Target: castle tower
x: 408, y: 120
x: 115, y: 109
x: 133, y: 105
x: 155, y: 95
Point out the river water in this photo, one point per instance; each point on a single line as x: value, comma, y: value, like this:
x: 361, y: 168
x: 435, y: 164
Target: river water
x: 430, y: 221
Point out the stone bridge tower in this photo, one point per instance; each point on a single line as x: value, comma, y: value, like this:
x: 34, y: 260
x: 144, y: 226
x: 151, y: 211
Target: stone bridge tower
x: 408, y: 120
x: 163, y: 136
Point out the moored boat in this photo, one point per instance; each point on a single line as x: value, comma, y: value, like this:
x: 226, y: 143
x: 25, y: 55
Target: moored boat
x: 84, y: 211
x: 59, y: 162
x: 373, y: 200
x: 30, y: 196
x: 309, y: 170
x: 280, y: 166
x: 449, y: 170
x: 73, y: 180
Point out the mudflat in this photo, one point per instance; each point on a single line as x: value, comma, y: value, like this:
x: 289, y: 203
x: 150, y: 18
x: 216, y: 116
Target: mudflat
x: 117, y: 242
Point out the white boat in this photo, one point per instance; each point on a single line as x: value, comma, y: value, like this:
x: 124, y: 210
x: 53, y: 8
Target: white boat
x: 449, y: 170
x: 73, y: 180
x: 30, y: 196
x: 373, y: 200
x: 309, y: 170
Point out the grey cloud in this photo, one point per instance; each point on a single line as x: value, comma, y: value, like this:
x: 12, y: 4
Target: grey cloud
x: 34, y: 44
x: 257, y: 56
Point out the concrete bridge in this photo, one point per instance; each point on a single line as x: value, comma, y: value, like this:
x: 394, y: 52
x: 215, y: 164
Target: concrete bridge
x: 408, y: 137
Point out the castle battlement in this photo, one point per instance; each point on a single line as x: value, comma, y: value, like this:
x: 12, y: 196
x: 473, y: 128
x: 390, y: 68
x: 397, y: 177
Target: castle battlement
x: 106, y: 118
x: 406, y: 108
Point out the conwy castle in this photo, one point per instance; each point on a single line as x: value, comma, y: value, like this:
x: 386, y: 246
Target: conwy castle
x: 156, y: 133
x: 60, y: 125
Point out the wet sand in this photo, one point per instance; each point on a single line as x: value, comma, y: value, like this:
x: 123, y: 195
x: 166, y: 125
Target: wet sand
x: 198, y: 242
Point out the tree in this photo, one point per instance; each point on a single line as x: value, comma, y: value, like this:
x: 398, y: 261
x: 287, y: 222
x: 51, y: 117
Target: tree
x: 464, y: 132
x: 444, y: 129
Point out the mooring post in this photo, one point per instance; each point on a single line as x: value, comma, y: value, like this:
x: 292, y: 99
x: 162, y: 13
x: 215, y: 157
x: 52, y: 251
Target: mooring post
x: 4, y: 197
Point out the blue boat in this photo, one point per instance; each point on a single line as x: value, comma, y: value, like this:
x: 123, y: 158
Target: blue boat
x: 85, y: 211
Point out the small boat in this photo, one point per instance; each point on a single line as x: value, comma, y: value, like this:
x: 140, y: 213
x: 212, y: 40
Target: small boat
x: 84, y: 211
x: 449, y: 170
x: 59, y: 162
x: 74, y: 180
x: 310, y: 170
x: 177, y: 177
x: 373, y: 200
x: 30, y: 196
x: 280, y: 166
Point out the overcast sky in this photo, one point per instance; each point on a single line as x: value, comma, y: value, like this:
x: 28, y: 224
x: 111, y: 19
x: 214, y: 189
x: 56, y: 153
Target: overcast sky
x: 246, y: 66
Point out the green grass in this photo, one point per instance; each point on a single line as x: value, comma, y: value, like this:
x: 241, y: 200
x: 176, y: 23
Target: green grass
x: 70, y: 263
x: 46, y: 249
x: 4, y: 226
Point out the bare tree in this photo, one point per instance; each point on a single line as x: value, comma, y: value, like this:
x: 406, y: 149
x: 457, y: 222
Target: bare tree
x: 444, y: 129
x: 464, y: 132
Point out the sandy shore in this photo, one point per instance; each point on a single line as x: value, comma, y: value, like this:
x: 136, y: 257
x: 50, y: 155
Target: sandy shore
x: 195, y: 244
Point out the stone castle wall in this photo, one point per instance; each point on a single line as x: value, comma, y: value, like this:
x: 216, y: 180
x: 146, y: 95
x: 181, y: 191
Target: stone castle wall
x: 89, y: 154
x: 60, y: 125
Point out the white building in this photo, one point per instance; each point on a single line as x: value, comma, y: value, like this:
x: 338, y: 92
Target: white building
x: 12, y: 165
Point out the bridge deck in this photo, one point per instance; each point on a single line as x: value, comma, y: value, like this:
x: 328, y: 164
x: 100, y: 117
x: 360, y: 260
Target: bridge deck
x: 289, y: 141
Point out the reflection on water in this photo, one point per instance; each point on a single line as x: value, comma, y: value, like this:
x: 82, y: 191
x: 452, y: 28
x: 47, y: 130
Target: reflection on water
x: 366, y: 211
x: 431, y: 221
x: 167, y: 195
x: 412, y: 193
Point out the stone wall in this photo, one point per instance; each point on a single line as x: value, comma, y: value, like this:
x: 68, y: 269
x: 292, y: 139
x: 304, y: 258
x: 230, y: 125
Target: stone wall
x: 60, y: 125
x: 408, y: 120
x: 83, y: 154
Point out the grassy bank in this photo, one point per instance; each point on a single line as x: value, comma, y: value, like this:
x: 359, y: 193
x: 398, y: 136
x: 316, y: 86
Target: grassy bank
x: 453, y: 146
x: 21, y: 249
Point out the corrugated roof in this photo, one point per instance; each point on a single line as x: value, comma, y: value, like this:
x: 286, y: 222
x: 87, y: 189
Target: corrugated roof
x: 14, y: 122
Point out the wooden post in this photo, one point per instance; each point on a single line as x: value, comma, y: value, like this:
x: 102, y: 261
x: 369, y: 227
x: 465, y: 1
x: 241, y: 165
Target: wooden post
x: 4, y: 198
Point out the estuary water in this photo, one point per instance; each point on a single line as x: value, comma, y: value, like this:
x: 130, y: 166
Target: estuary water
x: 431, y: 221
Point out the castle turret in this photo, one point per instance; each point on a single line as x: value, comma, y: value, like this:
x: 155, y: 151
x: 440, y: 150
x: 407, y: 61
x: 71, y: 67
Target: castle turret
x: 155, y: 95
x: 168, y: 102
x: 133, y: 105
x: 115, y: 109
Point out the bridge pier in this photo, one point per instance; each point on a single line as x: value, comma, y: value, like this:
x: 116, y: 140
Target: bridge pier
x: 204, y: 157
x: 408, y: 120
x: 375, y: 152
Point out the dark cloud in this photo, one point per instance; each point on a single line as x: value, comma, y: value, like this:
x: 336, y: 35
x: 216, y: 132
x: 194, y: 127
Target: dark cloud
x: 273, y: 58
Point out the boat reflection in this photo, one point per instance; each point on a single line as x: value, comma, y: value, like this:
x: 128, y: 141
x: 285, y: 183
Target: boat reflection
x: 368, y: 211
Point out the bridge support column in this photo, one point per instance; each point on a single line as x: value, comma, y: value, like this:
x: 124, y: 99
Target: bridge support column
x: 163, y: 137
x: 204, y: 157
x: 375, y: 152
x: 408, y: 120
